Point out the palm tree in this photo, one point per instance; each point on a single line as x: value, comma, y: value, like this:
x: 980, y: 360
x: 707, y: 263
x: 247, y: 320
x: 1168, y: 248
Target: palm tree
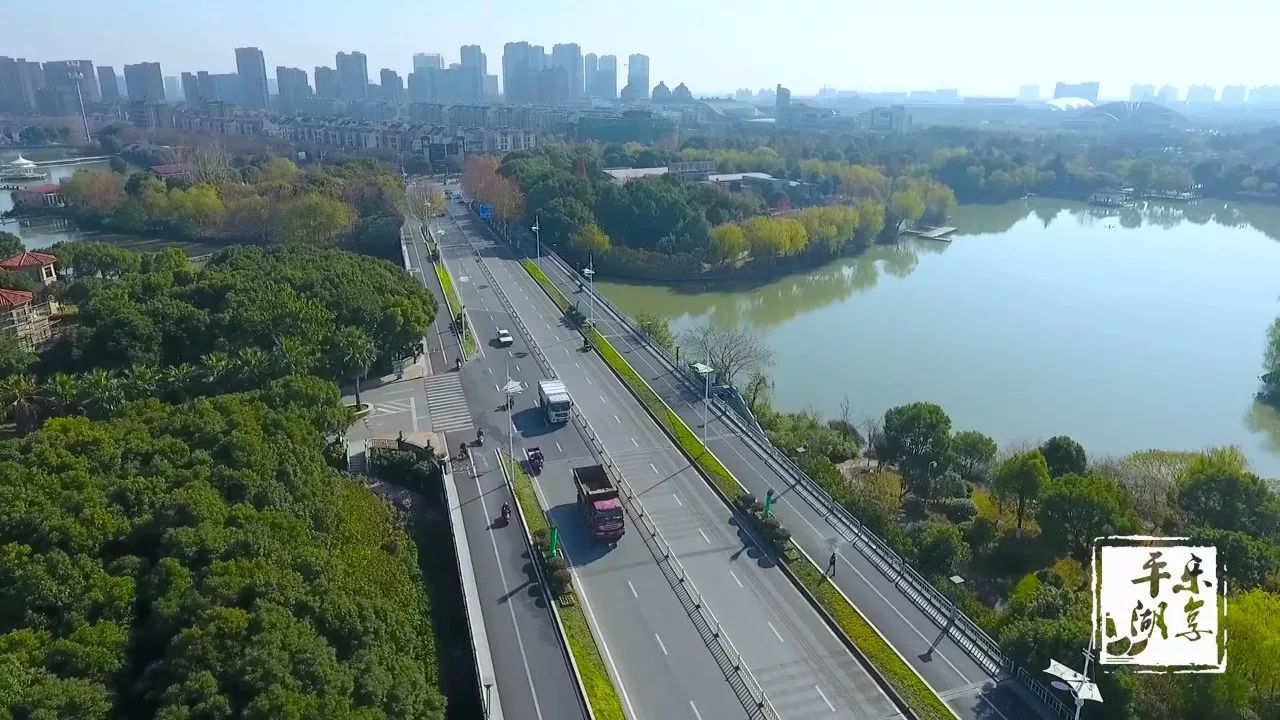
x: 20, y: 398
x: 100, y: 393
x: 142, y: 381
x: 216, y: 368
x: 61, y: 394
x: 252, y: 366
x: 354, y: 353
x: 180, y: 381
x: 290, y: 357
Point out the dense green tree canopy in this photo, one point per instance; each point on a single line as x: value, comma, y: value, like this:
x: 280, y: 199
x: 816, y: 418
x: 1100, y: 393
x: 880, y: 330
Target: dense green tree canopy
x: 164, y: 312
x: 917, y: 440
x: 1064, y: 456
x: 1074, y: 510
x: 1021, y: 479
x: 203, y: 561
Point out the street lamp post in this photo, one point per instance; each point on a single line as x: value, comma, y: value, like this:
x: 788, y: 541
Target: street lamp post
x: 955, y: 604
x: 707, y: 374
x: 537, y: 239
x: 590, y: 272
x: 511, y: 390
x: 1078, y: 684
x: 76, y: 76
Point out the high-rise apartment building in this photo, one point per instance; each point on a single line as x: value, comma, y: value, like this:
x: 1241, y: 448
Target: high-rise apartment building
x: 223, y: 87
x: 637, y: 87
x: 518, y: 71
x: 190, y: 87
x: 292, y: 88
x: 473, y: 56
x: 251, y: 66
x: 353, y: 75
x: 59, y: 74
x: 568, y: 57
x: 14, y: 86
x: 172, y: 90
x: 1168, y: 95
x: 428, y: 61
x: 146, y: 83
x: 108, y: 87
x: 607, y: 77
x: 590, y: 66
x: 1029, y: 93
x: 1233, y: 94
x: 781, y: 101
x: 391, y: 85
x: 326, y: 82
x: 1201, y: 94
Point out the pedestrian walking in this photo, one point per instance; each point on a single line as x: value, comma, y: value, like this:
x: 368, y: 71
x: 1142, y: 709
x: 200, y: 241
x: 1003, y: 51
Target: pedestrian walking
x: 831, y: 565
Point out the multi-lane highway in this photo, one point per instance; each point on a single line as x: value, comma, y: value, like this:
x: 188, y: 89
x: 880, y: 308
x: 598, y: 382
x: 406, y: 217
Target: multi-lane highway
x: 531, y: 678
x: 970, y: 688
x: 654, y: 652
x: 662, y: 667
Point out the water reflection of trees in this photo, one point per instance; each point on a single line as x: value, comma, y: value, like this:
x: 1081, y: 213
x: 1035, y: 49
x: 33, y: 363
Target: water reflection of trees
x: 1265, y: 420
x: 990, y: 219
x: 779, y: 301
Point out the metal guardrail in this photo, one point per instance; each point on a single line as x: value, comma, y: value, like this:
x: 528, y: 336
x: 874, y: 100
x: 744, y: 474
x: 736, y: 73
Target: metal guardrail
x: 716, y: 639
x: 750, y: 692
x: 975, y: 641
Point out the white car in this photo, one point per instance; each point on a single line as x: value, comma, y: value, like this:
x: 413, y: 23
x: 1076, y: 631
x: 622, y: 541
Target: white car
x: 504, y: 338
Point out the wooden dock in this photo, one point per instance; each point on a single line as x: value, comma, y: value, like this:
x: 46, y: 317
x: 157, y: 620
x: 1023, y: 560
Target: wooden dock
x: 928, y: 232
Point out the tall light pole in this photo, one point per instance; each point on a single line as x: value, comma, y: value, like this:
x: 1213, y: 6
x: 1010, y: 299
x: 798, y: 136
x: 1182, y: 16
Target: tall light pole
x: 537, y: 238
x: 707, y: 373
x: 511, y: 390
x: 590, y: 272
x: 73, y: 72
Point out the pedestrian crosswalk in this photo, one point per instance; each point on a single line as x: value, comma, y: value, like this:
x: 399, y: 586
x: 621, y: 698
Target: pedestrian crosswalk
x: 447, y: 404
x: 393, y: 407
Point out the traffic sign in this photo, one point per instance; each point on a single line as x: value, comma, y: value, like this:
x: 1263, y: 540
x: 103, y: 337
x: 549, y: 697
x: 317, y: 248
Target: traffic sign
x: 486, y: 212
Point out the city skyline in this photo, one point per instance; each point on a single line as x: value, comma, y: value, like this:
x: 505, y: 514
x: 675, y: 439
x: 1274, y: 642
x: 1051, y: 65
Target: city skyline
x: 976, y: 43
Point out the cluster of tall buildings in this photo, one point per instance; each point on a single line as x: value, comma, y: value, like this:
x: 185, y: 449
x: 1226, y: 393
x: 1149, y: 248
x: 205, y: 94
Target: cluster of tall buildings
x: 532, y: 75
x: 529, y: 75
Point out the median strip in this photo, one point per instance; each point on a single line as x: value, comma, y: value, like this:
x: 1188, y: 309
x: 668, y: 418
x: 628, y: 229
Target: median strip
x: 455, y: 305
x: 910, y: 688
x: 588, y: 662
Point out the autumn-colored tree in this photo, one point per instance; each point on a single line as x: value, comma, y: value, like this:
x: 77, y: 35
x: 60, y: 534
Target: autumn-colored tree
x: 94, y: 191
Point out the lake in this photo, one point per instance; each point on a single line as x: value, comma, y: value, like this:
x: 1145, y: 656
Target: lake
x: 1131, y: 329
x: 43, y: 232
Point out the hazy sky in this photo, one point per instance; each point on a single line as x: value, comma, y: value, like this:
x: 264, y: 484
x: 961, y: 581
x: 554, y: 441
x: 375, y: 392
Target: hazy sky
x: 978, y: 46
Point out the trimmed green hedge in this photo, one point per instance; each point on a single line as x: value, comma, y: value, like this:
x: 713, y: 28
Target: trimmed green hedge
x: 603, y: 696
x: 913, y: 690
x: 923, y: 700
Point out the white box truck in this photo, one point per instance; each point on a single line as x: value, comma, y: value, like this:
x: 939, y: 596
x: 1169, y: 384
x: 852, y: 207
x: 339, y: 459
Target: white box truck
x: 553, y: 396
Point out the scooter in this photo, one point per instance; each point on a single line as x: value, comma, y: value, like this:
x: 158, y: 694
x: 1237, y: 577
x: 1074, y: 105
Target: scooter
x: 480, y: 437
x: 506, y: 513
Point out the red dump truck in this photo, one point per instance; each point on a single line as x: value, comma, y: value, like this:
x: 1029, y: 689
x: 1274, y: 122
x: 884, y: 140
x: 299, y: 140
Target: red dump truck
x: 598, y: 498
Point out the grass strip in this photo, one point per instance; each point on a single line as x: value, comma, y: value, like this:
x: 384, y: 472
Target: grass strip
x: 455, y: 305
x: 923, y: 700
x: 910, y: 686
x: 596, y: 683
